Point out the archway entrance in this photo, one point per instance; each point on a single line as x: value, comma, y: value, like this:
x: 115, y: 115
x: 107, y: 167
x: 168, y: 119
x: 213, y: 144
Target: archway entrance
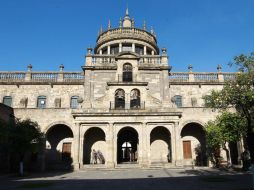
x: 94, y: 148
x: 59, y: 140
x: 127, y: 145
x: 194, y: 143
x: 160, y: 143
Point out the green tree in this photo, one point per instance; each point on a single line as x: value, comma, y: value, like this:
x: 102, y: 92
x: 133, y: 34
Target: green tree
x: 238, y: 94
x: 25, y: 136
x: 226, y: 128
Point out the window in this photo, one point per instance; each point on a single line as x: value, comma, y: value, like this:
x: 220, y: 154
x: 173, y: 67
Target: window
x: 7, y: 100
x: 119, y: 99
x: 41, y: 102
x: 139, y: 50
x: 127, y: 47
x: 127, y: 72
x: 74, y: 102
x: 114, y: 50
x: 135, y: 99
x: 178, y: 100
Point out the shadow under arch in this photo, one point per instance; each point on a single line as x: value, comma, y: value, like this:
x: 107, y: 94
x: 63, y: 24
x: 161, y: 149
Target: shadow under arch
x: 195, y: 132
x: 160, y: 145
x: 127, y: 145
x: 94, y: 139
x: 59, y: 147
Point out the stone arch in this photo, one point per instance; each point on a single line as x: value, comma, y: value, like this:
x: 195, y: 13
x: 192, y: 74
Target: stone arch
x: 59, y: 146
x: 119, y: 99
x: 135, y: 99
x: 160, y: 145
x: 94, y: 139
x: 127, y: 145
x: 194, y: 143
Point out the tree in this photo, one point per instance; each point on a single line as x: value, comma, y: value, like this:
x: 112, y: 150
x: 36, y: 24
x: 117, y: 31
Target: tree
x: 25, y: 136
x: 226, y: 128
x: 238, y: 94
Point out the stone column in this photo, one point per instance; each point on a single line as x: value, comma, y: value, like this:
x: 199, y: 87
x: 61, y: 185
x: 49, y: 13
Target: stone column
x: 76, y: 146
x: 100, y: 52
x: 120, y: 47
x: 110, y: 146
x: 133, y: 47
x: 108, y: 50
x: 145, y: 146
x: 144, y: 50
x: 177, y: 159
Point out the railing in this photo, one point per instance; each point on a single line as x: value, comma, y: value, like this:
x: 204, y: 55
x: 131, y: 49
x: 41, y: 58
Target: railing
x: 41, y: 76
x: 229, y: 76
x: 150, y: 59
x: 75, y: 76
x: 179, y: 77
x: 127, y: 106
x: 12, y: 76
x: 44, y: 77
x: 103, y: 59
x: 201, y: 77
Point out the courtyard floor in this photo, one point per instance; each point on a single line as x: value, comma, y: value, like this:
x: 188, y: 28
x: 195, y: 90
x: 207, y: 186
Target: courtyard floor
x: 128, y: 179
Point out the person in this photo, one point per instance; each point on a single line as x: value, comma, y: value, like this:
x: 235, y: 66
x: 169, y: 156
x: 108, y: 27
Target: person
x: 94, y: 157
x: 245, y: 156
x: 100, y: 157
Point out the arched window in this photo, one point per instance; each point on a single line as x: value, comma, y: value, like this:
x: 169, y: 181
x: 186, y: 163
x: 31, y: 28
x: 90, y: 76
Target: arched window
x: 178, y: 101
x: 74, y: 102
x: 119, y: 99
x: 127, y: 72
x: 41, y: 102
x: 135, y: 99
x: 7, y: 100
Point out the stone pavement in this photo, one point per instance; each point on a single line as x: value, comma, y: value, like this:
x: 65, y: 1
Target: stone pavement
x: 128, y: 179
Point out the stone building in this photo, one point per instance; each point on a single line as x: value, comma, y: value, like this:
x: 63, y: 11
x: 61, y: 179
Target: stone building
x: 126, y: 104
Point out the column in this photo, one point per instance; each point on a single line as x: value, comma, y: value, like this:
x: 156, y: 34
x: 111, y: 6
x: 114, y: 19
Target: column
x: 145, y: 146
x: 100, y: 51
x: 144, y: 50
x: 110, y: 146
x: 133, y: 47
x: 76, y: 146
x: 120, y: 47
x: 108, y: 50
x: 177, y: 159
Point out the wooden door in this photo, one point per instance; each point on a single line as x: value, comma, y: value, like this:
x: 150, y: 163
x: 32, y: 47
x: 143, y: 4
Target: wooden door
x: 187, y: 150
x: 66, y: 152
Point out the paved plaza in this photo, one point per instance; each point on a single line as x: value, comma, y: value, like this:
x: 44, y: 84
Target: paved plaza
x: 128, y: 179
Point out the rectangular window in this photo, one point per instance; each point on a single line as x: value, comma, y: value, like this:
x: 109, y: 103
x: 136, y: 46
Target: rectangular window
x: 74, y: 102
x: 41, y: 102
x: 7, y: 100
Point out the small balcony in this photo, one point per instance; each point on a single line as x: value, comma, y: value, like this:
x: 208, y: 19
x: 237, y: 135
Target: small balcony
x: 121, y: 105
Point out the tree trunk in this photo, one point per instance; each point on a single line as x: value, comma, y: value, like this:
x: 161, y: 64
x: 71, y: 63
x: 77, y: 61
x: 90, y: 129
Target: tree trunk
x: 21, y: 168
x: 227, y: 155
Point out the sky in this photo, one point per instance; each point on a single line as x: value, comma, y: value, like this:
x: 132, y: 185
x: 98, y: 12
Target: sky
x: 47, y: 33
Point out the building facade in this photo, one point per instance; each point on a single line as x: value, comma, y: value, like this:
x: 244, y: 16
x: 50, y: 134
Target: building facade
x: 126, y: 105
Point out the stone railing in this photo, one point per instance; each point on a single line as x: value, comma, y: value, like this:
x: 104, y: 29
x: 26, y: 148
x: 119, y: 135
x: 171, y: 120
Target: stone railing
x: 41, y: 77
x: 104, y: 60
x: 150, y: 59
x: 201, y: 77
x: 12, y: 76
x: 133, y: 33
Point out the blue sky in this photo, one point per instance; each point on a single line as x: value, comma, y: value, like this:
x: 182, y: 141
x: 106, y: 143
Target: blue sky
x: 47, y: 33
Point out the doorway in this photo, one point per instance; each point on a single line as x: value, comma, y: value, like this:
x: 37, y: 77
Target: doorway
x: 127, y: 145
